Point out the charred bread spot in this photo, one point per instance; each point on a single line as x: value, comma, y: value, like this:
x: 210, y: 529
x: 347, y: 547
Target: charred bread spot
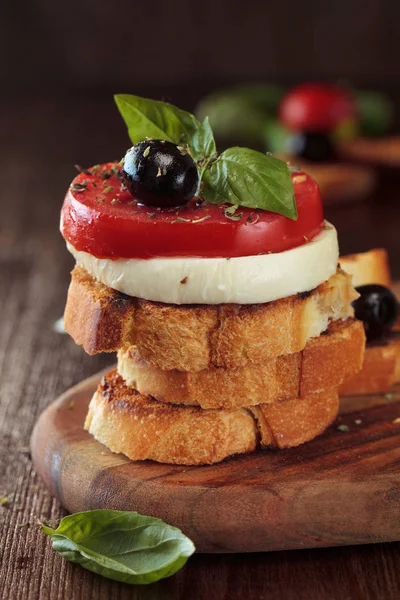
x: 121, y: 302
x: 122, y: 398
x: 109, y: 384
x: 304, y: 295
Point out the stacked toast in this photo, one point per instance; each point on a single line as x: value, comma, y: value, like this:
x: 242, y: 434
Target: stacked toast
x: 197, y: 383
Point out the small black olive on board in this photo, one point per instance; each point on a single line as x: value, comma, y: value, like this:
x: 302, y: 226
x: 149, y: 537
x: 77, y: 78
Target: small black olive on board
x: 378, y: 308
x: 159, y: 173
x: 313, y: 146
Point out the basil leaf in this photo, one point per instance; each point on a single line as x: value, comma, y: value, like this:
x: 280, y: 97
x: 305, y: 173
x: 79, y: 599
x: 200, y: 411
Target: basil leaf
x: 277, y: 138
x: 239, y: 113
x: 203, y: 141
x: 147, y: 118
x: 265, y: 96
x: 249, y: 178
x: 376, y: 112
x: 121, y: 545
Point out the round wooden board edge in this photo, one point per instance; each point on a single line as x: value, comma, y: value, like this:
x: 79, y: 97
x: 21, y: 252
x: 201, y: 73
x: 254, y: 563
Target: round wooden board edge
x: 236, y: 517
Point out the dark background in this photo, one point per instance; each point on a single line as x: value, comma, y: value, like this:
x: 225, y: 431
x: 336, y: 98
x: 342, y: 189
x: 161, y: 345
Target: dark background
x: 62, y: 61
x: 186, y: 48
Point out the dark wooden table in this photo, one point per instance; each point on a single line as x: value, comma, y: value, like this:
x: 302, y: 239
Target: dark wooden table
x: 42, y: 139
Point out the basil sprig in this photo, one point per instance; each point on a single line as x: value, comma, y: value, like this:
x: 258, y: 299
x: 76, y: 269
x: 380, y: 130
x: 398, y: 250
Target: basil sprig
x: 238, y: 176
x: 121, y: 545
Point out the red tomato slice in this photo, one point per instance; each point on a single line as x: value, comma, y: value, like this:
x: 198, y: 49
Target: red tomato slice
x: 316, y: 107
x: 101, y: 217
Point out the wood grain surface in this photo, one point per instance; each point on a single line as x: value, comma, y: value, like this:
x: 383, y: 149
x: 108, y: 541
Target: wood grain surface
x: 41, y: 139
x: 342, y: 488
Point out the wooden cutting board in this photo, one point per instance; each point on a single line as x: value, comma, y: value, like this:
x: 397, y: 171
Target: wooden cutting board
x: 342, y: 488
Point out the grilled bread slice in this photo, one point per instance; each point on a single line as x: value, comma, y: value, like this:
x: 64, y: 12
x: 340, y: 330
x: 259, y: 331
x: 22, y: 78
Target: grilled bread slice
x: 337, y: 182
x: 293, y: 422
x: 340, y: 182
x: 378, y: 152
x: 196, y: 337
x: 380, y: 369
x: 370, y: 267
x: 395, y: 342
x: 367, y: 267
x: 325, y: 362
x: 143, y: 428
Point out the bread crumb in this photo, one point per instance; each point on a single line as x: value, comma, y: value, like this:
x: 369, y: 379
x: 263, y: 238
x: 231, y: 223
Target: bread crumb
x: 58, y: 326
x: 344, y: 428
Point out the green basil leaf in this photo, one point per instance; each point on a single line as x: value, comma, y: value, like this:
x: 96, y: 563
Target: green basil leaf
x: 233, y: 118
x: 203, y: 141
x: 121, y: 545
x: 376, y: 112
x: 249, y: 178
x: 239, y: 113
x: 277, y: 138
x: 265, y: 96
x: 147, y: 118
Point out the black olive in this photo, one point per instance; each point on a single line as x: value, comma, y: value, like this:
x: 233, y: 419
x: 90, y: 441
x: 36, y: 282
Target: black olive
x: 159, y: 173
x: 378, y: 308
x: 316, y: 147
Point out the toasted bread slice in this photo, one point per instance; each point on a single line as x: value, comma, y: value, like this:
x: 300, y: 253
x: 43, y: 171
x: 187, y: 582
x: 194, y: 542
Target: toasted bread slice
x: 381, y: 151
x: 325, y: 362
x: 193, y: 338
x: 395, y: 342
x: 291, y: 423
x: 370, y: 267
x: 367, y: 267
x: 337, y: 182
x: 143, y: 428
x: 381, y: 366
x: 380, y: 370
x: 396, y: 291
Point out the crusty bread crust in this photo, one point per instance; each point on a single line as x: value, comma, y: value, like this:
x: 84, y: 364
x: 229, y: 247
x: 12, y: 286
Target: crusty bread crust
x: 142, y: 428
x: 325, y: 362
x: 380, y: 370
x: 193, y: 338
x: 291, y: 423
x: 97, y: 318
x: 367, y: 267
